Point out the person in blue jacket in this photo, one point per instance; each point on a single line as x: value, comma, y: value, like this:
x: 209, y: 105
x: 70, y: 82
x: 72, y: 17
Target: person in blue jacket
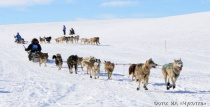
x: 64, y: 29
x: 33, y: 47
x: 18, y: 37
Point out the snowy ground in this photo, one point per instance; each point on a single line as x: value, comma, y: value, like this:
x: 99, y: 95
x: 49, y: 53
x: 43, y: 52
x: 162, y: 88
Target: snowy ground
x: 24, y: 83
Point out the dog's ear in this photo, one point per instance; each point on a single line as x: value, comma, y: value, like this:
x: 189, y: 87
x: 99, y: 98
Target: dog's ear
x: 70, y: 57
x: 146, y: 61
x: 175, y: 60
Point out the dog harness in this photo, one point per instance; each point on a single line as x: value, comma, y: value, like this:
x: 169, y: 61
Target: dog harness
x: 168, y: 65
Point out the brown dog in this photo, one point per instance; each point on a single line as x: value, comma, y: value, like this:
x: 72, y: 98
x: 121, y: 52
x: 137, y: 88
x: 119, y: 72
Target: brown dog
x: 90, y: 65
x: 42, y: 40
x: 72, y: 61
x: 43, y: 59
x: 109, y: 68
x: 58, y: 60
x: 142, y: 72
x: 94, y: 41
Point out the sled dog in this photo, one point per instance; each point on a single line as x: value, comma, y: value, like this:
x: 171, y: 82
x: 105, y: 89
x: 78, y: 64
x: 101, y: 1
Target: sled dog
x: 72, y: 61
x: 96, y: 68
x: 109, y: 68
x: 48, y: 39
x: 171, y: 72
x: 142, y: 72
x: 58, y: 60
x: 43, y: 59
x: 42, y: 40
x: 89, y: 65
x: 94, y: 41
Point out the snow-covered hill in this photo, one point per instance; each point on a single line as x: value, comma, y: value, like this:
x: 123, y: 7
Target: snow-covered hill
x: 24, y: 83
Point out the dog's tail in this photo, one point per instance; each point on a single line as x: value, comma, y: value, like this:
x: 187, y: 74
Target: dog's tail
x: 53, y: 57
x: 132, y: 69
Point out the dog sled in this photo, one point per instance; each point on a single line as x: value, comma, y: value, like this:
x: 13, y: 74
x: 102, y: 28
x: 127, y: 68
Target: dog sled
x: 21, y: 41
x: 33, y: 56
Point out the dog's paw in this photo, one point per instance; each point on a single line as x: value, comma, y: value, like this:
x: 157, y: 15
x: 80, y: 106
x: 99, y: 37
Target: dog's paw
x: 95, y: 78
x: 174, y: 87
x: 145, y: 87
x: 137, y: 89
x: 168, y: 84
x: 167, y: 88
x: 90, y: 76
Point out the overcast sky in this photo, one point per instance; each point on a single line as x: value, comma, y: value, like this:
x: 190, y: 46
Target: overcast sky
x: 40, y: 11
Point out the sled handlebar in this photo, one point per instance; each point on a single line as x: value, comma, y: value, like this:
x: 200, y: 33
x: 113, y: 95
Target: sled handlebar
x: 25, y: 48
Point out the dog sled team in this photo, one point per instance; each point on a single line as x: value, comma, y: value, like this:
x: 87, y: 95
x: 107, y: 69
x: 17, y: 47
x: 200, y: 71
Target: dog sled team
x: 140, y: 71
x: 75, y: 39
x: 69, y: 39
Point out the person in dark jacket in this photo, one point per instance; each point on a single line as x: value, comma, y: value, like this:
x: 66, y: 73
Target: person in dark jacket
x: 64, y: 29
x: 72, y: 31
x: 33, y: 47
